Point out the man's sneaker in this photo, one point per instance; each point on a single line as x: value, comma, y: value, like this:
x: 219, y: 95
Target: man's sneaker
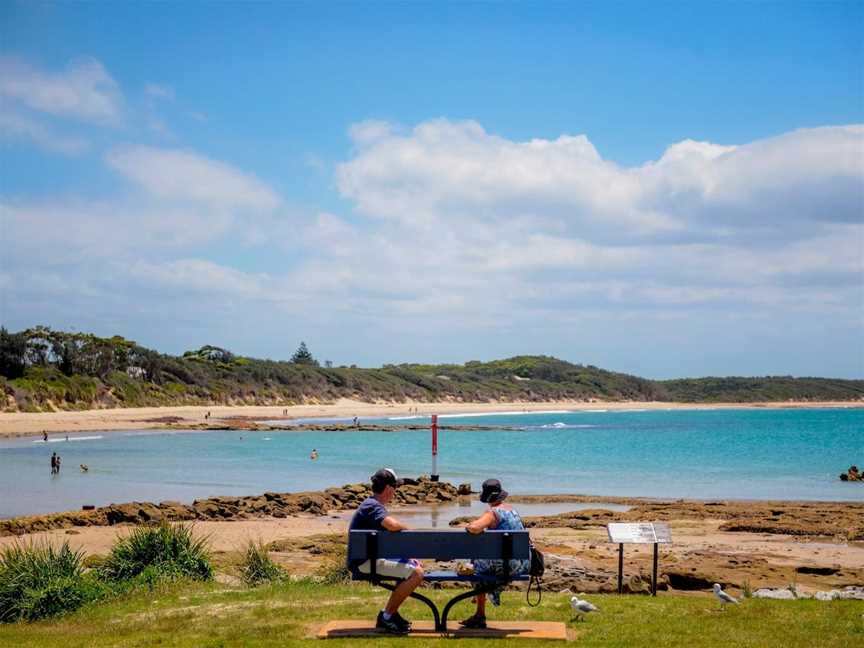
x: 390, y: 626
x: 405, y: 623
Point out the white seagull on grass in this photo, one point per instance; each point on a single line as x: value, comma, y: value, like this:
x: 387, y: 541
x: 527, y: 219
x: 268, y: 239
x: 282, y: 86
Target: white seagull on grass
x: 581, y: 608
x: 723, y: 597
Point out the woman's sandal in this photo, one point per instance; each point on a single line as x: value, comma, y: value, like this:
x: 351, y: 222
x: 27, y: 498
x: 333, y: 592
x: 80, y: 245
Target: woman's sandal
x: 474, y: 622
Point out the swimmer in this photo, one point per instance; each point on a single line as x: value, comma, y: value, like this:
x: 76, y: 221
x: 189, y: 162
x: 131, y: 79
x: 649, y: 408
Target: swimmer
x: 314, y: 454
x: 84, y: 468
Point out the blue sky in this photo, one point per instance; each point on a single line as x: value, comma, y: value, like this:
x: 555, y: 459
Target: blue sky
x: 668, y: 189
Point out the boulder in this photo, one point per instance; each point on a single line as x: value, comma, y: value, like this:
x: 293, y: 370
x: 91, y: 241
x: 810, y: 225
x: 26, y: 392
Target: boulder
x: 463, y: 489
x: 784, y: 594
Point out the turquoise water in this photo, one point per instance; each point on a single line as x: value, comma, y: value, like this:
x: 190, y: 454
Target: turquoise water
x: 741, y: 454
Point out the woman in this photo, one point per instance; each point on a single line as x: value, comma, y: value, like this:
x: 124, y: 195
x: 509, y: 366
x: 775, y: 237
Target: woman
x: 505, y: 518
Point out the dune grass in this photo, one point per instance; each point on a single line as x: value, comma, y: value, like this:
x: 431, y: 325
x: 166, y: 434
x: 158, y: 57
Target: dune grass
x: 39, y: 580
x: 194, y: 614
x: 151, y: 553
x: 257, y: 568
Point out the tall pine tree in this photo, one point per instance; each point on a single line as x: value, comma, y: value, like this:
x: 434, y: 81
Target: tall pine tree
x: 303, y: 356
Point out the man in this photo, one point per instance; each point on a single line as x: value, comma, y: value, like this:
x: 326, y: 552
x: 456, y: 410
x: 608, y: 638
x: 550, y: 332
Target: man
x: 372, y: 515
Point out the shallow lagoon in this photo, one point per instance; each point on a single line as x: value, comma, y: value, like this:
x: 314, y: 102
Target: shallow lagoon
x: 741, y: 454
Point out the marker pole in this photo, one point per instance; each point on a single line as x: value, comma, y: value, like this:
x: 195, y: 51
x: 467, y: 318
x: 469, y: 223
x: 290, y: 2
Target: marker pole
x: 434, y: 447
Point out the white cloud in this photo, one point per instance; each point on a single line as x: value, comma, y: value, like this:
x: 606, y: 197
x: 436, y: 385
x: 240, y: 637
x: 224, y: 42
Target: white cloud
x: 18, y: 127
x: 200, y: 275
x: 84, y: 91
x: 65, y: 231
x: 182, y: 175
x: 456, y: 171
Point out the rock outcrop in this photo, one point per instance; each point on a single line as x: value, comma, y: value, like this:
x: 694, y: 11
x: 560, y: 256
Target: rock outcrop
x: 415, y: 491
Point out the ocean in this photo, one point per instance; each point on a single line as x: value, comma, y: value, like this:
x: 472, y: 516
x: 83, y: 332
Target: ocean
x: 791, y: 454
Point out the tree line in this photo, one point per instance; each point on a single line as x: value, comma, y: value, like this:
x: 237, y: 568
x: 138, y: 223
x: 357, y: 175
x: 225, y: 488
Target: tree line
x: 43, y: 368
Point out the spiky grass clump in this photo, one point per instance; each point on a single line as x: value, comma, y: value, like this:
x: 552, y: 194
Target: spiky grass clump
x: 258, y: 568
x: 334, y: 569
x: 38, y: 581
x: 153, y: 553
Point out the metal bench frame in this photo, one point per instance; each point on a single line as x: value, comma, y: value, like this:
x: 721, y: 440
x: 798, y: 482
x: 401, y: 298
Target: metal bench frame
x: 439, y: 545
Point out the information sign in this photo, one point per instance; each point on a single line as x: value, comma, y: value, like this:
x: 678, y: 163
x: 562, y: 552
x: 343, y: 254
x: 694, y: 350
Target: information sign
x: 639, y: 532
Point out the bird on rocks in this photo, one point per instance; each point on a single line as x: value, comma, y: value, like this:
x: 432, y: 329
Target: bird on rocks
x: 723, y: 597
x: 581, y: 608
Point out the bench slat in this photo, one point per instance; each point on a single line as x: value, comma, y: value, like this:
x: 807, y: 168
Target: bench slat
x: 437, y: 545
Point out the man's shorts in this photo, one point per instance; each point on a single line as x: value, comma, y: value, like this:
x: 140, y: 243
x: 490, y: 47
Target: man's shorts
x: 402, y: 568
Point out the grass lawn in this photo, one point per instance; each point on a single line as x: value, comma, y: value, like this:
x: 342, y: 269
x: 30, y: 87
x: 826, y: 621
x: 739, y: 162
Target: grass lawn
x: 194, y: 614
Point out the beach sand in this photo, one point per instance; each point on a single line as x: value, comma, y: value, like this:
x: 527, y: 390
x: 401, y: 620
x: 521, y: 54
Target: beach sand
x: 14, y: 424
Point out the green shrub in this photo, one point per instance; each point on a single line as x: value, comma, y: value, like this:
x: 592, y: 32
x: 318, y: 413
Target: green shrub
x: 152, y: 553
x: 38, y: 581
x: 258, y: 568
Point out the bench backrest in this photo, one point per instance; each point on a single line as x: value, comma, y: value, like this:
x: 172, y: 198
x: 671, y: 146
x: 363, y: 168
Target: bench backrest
x: 438, y: 545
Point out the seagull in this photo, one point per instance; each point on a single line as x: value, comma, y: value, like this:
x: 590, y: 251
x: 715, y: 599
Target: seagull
x: 581, y: 608
x: 723, y: 597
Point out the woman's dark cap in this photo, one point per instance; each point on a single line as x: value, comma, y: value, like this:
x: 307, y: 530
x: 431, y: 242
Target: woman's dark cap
x: 492, y: 492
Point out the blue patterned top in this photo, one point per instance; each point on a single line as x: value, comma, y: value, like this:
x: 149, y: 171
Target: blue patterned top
x: 505, y: 520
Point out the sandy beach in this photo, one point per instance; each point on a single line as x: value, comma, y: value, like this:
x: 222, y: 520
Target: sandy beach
x: 14, y: 424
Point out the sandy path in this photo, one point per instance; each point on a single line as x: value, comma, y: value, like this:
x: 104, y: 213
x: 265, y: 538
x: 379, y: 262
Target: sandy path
x: 224, y: 536
x: 22, y: 424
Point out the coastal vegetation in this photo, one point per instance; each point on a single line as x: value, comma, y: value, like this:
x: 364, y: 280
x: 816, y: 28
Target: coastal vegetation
x: 156, y: 552
x: 39, y: 580
x: 257, y: 568
x: 43, y: 370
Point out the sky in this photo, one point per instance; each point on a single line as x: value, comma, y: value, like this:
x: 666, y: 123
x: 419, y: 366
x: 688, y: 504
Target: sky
x: 663, y: 189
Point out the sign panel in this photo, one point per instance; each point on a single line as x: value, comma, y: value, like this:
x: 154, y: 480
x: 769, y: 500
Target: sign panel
x: 639, y: 532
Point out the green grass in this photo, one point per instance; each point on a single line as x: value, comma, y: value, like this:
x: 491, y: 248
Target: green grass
x: 188, y: 614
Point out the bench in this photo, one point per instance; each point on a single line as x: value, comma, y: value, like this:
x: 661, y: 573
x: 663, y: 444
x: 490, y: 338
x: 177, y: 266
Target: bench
x: 439, y: 545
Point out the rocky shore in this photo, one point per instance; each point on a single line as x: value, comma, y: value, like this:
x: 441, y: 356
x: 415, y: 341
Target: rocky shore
x: 843, y: 521
x: 276, y: 505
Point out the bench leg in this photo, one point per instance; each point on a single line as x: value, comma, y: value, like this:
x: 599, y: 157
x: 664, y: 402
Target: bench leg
x: 420, y: 597
x: 482, y: 589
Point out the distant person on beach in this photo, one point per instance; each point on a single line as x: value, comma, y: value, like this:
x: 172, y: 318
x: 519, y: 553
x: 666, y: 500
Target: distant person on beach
x: 314, y: 455
x: 356, y: 421
x: 58, y: 464
x: 53, y: 463
x: 372, y: 515
x: 503, y: 517
x: 45, y: 436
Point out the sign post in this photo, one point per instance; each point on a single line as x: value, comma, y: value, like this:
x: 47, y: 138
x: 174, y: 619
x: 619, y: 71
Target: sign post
x: 655, y: 533
x: 434, y: 447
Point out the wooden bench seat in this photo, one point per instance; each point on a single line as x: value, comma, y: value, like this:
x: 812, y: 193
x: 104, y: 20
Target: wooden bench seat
x: 442, y: 546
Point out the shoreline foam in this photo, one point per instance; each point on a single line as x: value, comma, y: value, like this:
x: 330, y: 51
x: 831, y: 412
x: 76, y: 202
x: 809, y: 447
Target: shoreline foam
x: 16, y: 424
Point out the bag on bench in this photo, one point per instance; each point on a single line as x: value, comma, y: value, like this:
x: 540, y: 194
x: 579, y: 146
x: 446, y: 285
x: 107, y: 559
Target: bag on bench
x: 536, y: 571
